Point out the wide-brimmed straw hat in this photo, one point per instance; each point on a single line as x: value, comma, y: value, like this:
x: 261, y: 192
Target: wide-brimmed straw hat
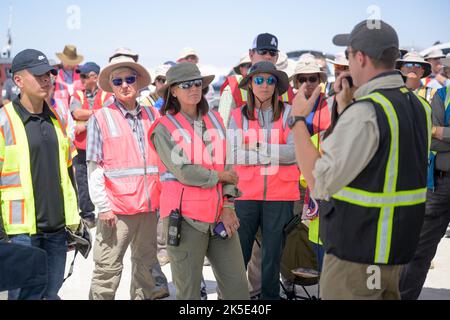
x: 414, y: 57
x: 143, y: 77
x: 308, y: 67
x: 267, y: 67
x: 69, y: 56
x: 182, y: 72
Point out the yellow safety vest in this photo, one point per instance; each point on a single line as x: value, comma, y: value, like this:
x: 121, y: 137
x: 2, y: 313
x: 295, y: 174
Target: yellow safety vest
x: 16, y: 186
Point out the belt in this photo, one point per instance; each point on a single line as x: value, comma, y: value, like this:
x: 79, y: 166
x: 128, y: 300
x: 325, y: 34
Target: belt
x: 442, y: 174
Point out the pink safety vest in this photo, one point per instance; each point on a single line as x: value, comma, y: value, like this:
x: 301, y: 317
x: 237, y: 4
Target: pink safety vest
x: 62, y: 90
x: 197, y: 203
x: 131, y: 179
x: 280, y: 182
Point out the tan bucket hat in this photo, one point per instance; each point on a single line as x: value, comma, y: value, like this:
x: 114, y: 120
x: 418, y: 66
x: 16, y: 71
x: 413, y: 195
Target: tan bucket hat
x: 69, y: 56
x: 186, y: 52
x: 414, y: 57
x: 161, y: 71
x: 182, y: 72
x: 446, y: 61
x: 307, y: 67
x: 435, y: 54
x: 244, y: 59
x: 339, y: 60
x: 143, y: 79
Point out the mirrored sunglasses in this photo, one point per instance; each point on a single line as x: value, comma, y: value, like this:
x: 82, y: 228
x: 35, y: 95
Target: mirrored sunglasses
x: 119, y: 81
x: 189, y: 84
x: 271, y: 81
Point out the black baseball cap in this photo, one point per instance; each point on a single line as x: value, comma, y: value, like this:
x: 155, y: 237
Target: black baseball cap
x: 34, y: 61
x: 265, y: 41
x: 89, y: 67
x: 372, y: 37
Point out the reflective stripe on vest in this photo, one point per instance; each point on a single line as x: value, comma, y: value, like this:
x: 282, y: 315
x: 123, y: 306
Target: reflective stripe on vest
x: 167, y: 176
x: 183, y: 131
x: 130, y: 172
x: 286, y: 113
x: 390, y: 197
x: 150, y: 114
x: 16, y: 188
x: 112, y: 126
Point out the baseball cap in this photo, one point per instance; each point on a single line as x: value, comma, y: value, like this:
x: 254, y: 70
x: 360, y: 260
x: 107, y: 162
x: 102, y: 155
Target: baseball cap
x: 32, y: 60
x: 372, y: 37
x: 265, y: 41
x: 89, y: 67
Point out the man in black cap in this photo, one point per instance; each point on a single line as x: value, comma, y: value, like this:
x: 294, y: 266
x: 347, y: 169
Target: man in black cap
x: 373, y: 167
x: 38, y: 194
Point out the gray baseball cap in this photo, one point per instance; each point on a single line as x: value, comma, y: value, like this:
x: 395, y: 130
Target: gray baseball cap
x: 372, y: 37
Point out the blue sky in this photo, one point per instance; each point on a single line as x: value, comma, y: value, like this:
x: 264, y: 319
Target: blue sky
x: 220, y: 31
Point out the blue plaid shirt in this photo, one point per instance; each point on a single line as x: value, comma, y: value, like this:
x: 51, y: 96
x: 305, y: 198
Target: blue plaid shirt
x: 94, y: 148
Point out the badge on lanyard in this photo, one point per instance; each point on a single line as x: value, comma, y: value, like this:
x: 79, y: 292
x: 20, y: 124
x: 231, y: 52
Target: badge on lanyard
x: 310, y: 207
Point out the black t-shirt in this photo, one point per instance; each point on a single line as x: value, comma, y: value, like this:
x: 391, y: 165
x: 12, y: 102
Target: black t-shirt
x: 44, y: 161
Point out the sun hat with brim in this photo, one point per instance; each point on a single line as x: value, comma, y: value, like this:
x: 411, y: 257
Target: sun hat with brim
x: 414, y: 57
x: 446, y: 61
x: 161, y: 71
x: 143, y: 79
x: 339, y: 60
x: 308, y: 67
x: 244, y: 59
x: 182, y: 72
x: 435, y: 54
x: 267, y: 67
x: 186, y: 52
x: 69, y: 56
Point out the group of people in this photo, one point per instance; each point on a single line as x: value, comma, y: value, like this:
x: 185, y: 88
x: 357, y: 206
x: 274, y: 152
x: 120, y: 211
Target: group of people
x: 165, y: 171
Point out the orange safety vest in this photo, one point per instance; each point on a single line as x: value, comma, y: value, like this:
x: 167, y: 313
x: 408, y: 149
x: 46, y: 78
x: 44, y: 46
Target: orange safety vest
x: 240, y: 95
x: 62, y: 90
x: 99, y: 100
x: 266, y: 182
x: 131, y: 178
x: 197, y: 203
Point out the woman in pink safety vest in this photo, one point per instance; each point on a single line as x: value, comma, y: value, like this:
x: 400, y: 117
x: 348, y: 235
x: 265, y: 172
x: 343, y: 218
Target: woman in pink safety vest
x: 263, y: 151
x: 196, y: 185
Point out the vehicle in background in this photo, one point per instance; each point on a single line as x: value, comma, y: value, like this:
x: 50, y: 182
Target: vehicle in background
x: 5, y: 70
x: 445, y: 47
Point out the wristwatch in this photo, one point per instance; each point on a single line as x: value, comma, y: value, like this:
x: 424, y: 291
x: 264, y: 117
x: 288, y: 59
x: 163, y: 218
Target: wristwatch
x: 293, y: 120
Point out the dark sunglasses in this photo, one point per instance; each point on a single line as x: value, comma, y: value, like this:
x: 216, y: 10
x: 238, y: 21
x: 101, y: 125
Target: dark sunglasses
x: 311, y: 79
x: 412, y: 65
x: 246, y: 65
x: 161, y: 80
x: 189, y: 84
x: 271, y: 81
x: 117, y: 82
x: 263, y: 52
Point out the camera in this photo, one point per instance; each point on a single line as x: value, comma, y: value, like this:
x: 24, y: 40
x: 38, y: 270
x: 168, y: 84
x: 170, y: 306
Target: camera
x: 350, y: 81
x: 221, y: 231
x: 174, y: 232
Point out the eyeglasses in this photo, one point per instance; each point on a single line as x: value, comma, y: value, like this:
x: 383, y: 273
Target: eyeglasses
x: 271, y: 81
x: 161, y: 80
x: 117, y: 82
x: 246, y: 65
x: 189, y: 84
x: 312, y: 79
x: 263, y: 52
x: 412, y: 65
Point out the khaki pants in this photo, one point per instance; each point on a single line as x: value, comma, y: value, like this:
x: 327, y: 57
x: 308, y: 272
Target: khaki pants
x: 138, y: 231
x: 186, y: 263
x: 345, y: 280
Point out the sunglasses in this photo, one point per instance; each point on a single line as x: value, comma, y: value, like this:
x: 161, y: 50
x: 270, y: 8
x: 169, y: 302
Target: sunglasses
x: 246, y: 65
x: 272, y: 53
x: 160, y: 80
x: 271, y: 81
x: 189, y: 84
x: 413, y: 65
x: 312, y: 79
x: 117, y: 82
